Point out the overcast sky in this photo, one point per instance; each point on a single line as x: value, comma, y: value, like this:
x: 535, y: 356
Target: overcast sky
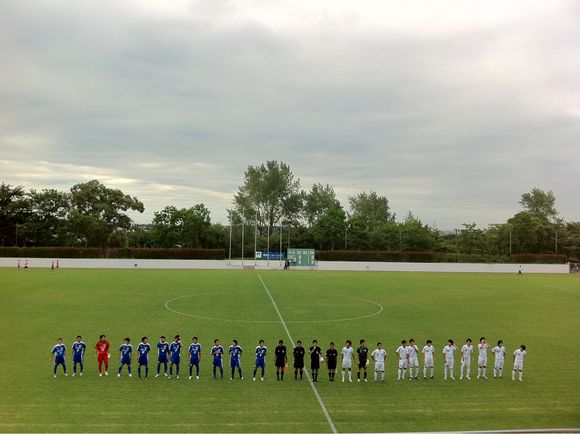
x: 451, y: 109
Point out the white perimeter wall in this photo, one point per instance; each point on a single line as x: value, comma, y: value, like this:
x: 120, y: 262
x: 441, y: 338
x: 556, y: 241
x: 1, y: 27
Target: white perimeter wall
x: 276, y: 265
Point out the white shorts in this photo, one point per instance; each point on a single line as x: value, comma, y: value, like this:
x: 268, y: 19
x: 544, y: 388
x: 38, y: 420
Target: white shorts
x: 414, y: 362
x: 429, y: 362
x: 402, y: 364
x: 499, y: 364
x: 482, y: 361
x: 347, y: 364
x: 518, y: 366
x: 380, y: 366
x: 449, y: 363
x: 466, y: 361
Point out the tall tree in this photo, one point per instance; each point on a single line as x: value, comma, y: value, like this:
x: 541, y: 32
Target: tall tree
x: 318, y: 201
x: 186, y: 227
x: 540, y: 203
x: 370, y: 209
x: 97, y: 212
x: 368, y: 212
x: 47, y: 223
x: 329, y: 229
x: 270, y: 195
x: 13, y: 213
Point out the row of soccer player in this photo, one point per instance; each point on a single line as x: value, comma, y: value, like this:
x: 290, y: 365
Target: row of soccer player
x: 407, y: 355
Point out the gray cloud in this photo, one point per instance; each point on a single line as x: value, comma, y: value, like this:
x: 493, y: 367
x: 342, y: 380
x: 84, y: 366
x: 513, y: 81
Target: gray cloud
x: 450, y: 113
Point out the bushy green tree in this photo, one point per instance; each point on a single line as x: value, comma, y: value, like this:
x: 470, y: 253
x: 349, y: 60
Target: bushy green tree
x: 98, y: 211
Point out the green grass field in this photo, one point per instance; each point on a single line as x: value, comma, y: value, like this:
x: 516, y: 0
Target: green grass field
x: 38, y: 306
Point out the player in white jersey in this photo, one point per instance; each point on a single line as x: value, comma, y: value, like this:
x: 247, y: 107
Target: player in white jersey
x: 448, y: 352
x: 347, y: 356
x: 413, y: 359
x: 403, y: 352
x: 428, y: 352
x: 499, y: 353
x: 466, y: 351
x: 519, y: 356
x: 482, y: 359
x: 379, y: 355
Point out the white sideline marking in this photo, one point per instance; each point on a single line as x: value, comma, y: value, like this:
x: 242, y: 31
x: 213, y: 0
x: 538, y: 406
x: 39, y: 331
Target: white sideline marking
x: 322, y: 406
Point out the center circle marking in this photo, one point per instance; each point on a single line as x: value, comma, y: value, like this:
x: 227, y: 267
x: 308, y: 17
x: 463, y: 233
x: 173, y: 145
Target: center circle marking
x: 379, y: 307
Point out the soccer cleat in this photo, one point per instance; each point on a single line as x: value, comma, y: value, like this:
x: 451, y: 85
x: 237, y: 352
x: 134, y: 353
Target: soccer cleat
x: 349, y: 380
x: 119, y: 374
x: 521, y: 380
x: 54, y: 375
x: 81, y: 374
x: 197, y: 377
x: 262, y: 378
x: 100, y: 374
x: 65, y: 374
x: 165, y: 374
x: 130, y: 375
x: 431, y: 378
x: 241, y: 378
x: 453, y: 378
x: 107, y: 373
x: 177, y: 376
x: 156, y: 375
x: 358, y: 380
x: 254, y: 378
x: 469, y: 378
x: 190, y: 377
x: 366, y: 381
x: 74, y: 373
x: 485, y: 377
x: 343, y: 380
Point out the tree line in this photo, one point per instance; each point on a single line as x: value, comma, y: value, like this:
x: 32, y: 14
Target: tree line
x: 272, y: 210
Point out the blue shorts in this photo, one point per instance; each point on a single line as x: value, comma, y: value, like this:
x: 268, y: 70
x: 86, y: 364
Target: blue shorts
x: 78, y: 359
x: 194, y: 362
x: 260, y: 363
x: 126, y: 361
x: 143, y: 361
x: 235, y: 363
x: 162, y: 359
x: 217, y: 362
x: 59, y: 361
x: 174, y: 361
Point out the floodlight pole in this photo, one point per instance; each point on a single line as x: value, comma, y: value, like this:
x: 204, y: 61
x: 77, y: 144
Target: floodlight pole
x: 256, y: 241
x: 230, y: 249
x: 243, y: 229
x: 268, y: 245
x: 281, y: 245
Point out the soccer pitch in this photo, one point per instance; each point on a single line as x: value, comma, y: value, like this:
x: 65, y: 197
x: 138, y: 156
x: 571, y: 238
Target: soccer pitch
x: 540, y: 311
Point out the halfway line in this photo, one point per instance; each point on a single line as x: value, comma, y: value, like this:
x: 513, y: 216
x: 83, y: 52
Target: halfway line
x: 322, y: 406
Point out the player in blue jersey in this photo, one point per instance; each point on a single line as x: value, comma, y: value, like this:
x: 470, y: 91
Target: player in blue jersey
x: 57, y: 354
x: 175, y: 356
x: 235, y: 352
x: 125, y: 356
x: 143, y: 350
x: 78, y: 350
x: 162, y: 351
x: 194, y: 357
x: 261, y: 351
x: 217, y: 352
